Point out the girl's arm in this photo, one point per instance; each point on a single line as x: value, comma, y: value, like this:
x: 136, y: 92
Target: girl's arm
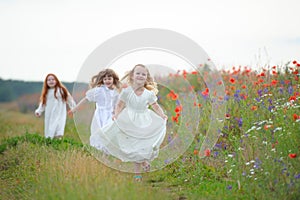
x: 74, y: 109
x: 71, y: 101
x: 159, y: 111
x: 38, y: 112
x: 119, y: 107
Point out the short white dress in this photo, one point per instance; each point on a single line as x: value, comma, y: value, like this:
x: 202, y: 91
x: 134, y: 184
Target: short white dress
x: 137, y: 133
x: 55, y: 113
x: 105, y: 100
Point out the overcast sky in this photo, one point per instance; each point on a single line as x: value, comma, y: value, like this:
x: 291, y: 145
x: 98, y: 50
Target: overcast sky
x: 39, y: 37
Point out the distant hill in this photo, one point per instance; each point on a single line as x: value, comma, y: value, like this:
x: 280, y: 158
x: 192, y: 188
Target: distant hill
x: 11, y: 90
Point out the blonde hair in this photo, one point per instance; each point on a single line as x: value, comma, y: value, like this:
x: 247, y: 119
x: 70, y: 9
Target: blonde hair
x: 150, y: 84
x: 97, y: 80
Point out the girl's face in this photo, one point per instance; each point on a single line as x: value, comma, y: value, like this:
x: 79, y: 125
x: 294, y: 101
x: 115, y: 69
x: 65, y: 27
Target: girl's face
x: 139, y: 75
x: 51, y: 82
x: 108, y: 81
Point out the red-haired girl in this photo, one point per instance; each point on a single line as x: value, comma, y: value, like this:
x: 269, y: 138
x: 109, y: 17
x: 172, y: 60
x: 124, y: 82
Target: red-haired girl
x: 54, y: 99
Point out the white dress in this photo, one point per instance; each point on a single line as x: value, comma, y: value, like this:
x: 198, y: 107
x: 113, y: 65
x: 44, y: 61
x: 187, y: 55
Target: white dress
x: 137, y: 133
x: 105, y: 100
x: 55, y: 113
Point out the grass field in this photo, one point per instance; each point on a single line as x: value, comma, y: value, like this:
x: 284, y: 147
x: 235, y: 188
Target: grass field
x: 256, y: 156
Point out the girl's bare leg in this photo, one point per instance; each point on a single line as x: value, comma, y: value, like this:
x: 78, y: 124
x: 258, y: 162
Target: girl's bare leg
x: 138, y: 177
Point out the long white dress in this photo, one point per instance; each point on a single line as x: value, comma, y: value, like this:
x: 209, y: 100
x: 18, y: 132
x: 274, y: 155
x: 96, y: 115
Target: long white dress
x: 105, y: 100
x: 137, y: 133
x: 55, y: 113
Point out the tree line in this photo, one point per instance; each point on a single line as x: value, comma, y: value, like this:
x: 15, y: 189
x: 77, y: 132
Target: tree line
x: 11, y: 90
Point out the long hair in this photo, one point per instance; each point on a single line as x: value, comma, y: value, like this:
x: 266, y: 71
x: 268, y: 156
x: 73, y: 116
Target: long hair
x: 62, y: 89
x: 97, y: 80
x: 150, y: 84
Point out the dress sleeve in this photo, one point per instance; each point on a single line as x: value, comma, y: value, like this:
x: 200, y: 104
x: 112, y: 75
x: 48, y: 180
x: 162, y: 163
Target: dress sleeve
x: 124, y: 94
x: 40, y: 109
x: 91, y: 95
x: 152, y: 98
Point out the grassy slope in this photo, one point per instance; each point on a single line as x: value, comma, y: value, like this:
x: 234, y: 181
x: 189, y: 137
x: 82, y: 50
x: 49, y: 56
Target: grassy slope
x: 34, y: 168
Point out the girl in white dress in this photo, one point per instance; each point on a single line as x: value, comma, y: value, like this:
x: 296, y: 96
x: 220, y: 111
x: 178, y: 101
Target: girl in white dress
x: 54, y: 99
x: 104, y: 92
x: 137, y: 132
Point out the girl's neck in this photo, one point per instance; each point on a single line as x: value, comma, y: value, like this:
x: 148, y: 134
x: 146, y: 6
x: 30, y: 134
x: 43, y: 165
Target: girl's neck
x: 111, y: 87
x: 103, y: 85
x: 137, y: 87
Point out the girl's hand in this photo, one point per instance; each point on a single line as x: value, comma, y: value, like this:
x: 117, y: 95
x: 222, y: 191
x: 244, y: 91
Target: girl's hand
x: 114, y: 117
x: 37, y: 114
x: 70, y: 112
x: 165, y: 117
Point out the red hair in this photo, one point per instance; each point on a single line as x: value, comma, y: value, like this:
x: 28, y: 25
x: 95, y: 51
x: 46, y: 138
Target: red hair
x: 62, y: 89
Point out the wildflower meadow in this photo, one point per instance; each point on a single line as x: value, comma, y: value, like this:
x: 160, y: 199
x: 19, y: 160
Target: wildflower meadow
x: 256, y: 154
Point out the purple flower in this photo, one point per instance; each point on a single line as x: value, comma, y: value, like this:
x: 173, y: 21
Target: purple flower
x: 270, y: 101
x: 216, y: 153
x: 226, y: 97
x: 236, y: 97
x: 219, y: 145
x: 240, y: 122
x: 169, y: 138
x: 229, y: 187
x: 290, y: 90
x: 257, y: 163
x: 271, y: 107
x: 297, y: 176
x: 259, y: 92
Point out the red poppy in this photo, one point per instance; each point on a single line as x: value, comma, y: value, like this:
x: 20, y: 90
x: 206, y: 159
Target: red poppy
x: 294, y: 62
x: 292, y: 155
x: 178, y: 109
x: 207, y: 152
x: 175, y: 119
x: 260, y: 80
x: 292, y: 98
x: 243, y: 96
x: 274, y: 82
x: 196, y: 152
x: 232, y: 80
x: 205, y: 93
x: 172, y: 95
x: 254, y: 108
x: 295, y: 116
x: 184, y: 73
